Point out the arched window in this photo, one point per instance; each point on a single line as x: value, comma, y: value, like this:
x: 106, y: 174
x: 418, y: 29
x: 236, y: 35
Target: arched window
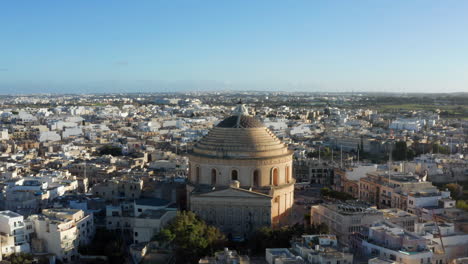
x: 275, y: 176
x: 234, y: 175
x: 197, y: 174
x: 213, y: 176
x: 256, y: 178
x: 287, y: 174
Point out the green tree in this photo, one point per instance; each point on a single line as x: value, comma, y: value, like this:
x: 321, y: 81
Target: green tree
x: 106, y: 243
x: 336, y: 194
x: 436, y: 148
x: 402, y: 152
x: 456, y: 190
x: 20, y: 258
x: 399, y: 153
x: 462, y: 205
x: 111, y: 150
x: 190, y: 237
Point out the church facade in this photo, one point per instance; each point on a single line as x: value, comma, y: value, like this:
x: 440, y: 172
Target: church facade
x: 241, y: 176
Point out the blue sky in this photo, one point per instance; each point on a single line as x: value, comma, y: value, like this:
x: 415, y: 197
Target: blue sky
x: 131, y: 46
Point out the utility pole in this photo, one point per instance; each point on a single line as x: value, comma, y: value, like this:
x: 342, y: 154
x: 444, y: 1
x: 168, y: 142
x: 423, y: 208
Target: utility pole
x: 358, y: 156
x: 341, y: 156
x: 389, y: 162
x: 319, y: 153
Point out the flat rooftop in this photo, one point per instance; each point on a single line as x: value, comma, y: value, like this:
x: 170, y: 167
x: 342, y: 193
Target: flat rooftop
x: 9, y: 213
x: 153, y: 214
x: 352, y: 207
x: 284, y: 252
x: 152, y: 202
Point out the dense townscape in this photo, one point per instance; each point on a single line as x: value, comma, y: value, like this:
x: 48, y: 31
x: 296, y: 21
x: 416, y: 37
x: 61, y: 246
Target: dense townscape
x: 234, y: 177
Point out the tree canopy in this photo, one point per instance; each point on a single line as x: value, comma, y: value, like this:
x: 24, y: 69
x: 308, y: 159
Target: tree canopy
x: 190, y: 237
x: 456, y: 190
x: 111, y: 150
x: 106, y: 243
x: 20, y: 258
x: 436, y: 148
x: 402, y: 152
x: 336, y: 194
x: 325, y: 153
x: 461, y: 204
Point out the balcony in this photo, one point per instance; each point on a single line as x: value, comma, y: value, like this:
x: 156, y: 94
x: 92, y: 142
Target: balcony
x: 67, y: 244
x: 18, y: 232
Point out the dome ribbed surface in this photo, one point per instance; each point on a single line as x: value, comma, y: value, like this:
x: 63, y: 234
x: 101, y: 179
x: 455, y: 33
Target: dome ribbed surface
x: 240, y: 137
x: 240, y: 121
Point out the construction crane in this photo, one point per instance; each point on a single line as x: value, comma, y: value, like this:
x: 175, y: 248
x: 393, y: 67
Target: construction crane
x: 438, y: 231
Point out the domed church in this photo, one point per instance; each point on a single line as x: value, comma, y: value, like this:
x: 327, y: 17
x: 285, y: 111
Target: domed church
x: 240, y: 176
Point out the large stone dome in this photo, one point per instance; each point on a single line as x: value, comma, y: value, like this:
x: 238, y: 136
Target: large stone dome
x: 240, y: 136
x: 240, y: 176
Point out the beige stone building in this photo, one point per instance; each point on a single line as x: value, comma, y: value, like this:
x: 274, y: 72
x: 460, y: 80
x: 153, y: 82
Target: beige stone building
x: 345, y: 218
x: 401, y: 218
x: 240, y: 176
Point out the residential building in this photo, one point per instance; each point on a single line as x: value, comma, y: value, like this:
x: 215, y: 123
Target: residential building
x: 317, y: 249
x: 14, y: 238
x: 344, y: 219
x: 401, y: 218
x: 282, y: 256
x: 226, y: 257
x: 61, y: 231
x: 390, y: 242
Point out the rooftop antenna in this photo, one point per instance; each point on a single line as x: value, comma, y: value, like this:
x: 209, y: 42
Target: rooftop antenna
x: 358, y: 156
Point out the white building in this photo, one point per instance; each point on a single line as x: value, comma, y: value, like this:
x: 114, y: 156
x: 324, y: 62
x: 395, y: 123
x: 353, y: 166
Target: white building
x: 69, y: 132
x: 4, y: 134
x: 13, y: 234
x: 280, y: 256
x: 49, y: 136
x: 317, y: 249
x: 418, y: 200
x: 391, y: 242
x: 407, y: 124
x: 61, y: 231
x: 143, y: 217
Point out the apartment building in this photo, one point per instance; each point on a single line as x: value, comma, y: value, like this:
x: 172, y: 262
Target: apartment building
x: 13, y: 234
x: 144, y: 218
x: 118, y: 189
x: 344, y: 219
x: 314, y: 171
x: 226, y: 256
x: 401, y: 218
x: 61, y: 231
x: 388, y: 241
x: 316, y: 249
x: 398, y: 190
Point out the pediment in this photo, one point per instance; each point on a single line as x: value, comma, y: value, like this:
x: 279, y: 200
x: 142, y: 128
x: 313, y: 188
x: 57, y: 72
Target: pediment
x: 234, y: 192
